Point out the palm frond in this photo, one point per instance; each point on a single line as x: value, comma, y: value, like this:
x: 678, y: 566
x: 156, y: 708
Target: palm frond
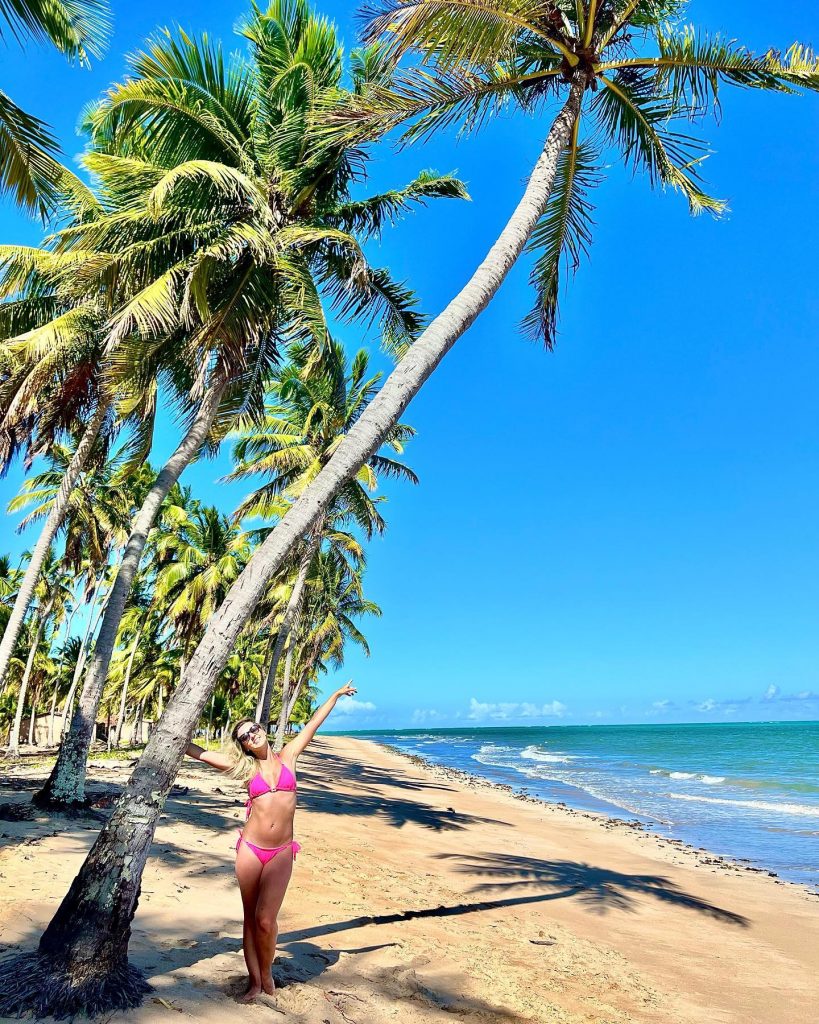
x: 692, y: 66
x: 471, y: 33
x: 433, y: 101
x: 369, y: 216
x: 634, y: 120
x: 29, y: 169
x: 234, y: 186
x: 76, y: 27
x: 563, y: 234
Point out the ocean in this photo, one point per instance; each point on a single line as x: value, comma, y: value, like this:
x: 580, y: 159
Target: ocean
x: 746, y: 791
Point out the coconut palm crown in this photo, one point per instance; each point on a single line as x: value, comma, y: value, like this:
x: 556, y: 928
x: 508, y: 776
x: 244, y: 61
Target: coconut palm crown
x: 647, y: 77
x: 310, y: 407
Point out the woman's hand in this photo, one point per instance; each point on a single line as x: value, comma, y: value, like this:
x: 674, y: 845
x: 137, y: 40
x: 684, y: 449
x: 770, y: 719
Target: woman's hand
x: 346, y: 691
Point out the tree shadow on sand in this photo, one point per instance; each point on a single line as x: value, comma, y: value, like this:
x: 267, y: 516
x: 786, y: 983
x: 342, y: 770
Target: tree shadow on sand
x: 320, y: 777
x: 601, y: 888
x: 324, y: 770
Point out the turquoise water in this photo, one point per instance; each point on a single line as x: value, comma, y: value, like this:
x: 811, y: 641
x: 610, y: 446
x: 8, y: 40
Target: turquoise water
x: 747, y: 791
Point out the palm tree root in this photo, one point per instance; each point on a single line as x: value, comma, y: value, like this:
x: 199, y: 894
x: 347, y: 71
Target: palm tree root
x: 34, y: 984
x: 45, y: 800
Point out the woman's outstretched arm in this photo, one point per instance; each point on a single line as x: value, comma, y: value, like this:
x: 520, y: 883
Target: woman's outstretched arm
x: 297, y: 745
x: 212, y: 757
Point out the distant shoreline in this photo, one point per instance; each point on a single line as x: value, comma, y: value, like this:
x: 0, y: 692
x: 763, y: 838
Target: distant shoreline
x: 700, y: 855
x: 366, y: 733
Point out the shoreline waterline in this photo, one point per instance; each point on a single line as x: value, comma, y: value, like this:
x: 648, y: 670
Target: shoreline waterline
x: 753, y: 818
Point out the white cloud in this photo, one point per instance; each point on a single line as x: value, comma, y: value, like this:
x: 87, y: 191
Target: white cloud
x: 479, y: 710
x: 662, y: 705
x: 773, y: 693
x: 421, y: 715
x: 707, y: 705
x: 802, y: 695
x: 350, y: 706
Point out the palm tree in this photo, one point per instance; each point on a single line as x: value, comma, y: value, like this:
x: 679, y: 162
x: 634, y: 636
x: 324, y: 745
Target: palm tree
x: 52, y: 595
x: 485, y: 48
x: 263, y: 226
x: 49, y: 333
x: 305, y: 705
x: 140, y: 607
x: 334, y: 601
x: 9, y: 584
x: 28, y: 152
x: 96, y: 515
x: 209, y: 554
x: 56, y: 375
x: 311, y: 405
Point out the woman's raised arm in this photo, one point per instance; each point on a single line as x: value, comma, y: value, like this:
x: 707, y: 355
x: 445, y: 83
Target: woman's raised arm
x: 211, y: 757
x: 297, y: 745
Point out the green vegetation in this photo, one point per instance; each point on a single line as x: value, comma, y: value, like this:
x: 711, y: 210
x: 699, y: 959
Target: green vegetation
x: 200, y: 275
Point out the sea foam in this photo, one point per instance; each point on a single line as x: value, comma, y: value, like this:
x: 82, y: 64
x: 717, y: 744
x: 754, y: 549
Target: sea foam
x: 804, y: 810
x: 709, y: 780
x: 534, y: 754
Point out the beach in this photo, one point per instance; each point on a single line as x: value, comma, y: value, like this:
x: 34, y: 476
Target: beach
x: 424, y: 894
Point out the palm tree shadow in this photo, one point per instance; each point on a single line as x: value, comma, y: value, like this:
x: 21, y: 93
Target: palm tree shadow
x: 371, y: 788
x: 601, y: 888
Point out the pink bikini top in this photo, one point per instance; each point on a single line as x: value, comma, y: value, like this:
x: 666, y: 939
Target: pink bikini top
x: 258, y: 785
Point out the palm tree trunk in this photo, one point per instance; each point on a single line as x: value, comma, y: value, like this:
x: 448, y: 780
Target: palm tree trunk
x: 136, y: 734
x: 52, y: 713
x: 210, y: 719
x: 66, y: 785
x: 32, y: 718
x: 52, y: 524
x: 82, y: 957
x: 294, y: 696
x: 90, y: 630
x: 285, y: 629
x: 56, y: 695
x: 14, y: 738
x: 125, y: 683
x: 284, y: 716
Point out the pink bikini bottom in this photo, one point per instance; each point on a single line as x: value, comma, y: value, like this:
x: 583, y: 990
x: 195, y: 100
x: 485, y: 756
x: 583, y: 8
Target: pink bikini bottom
x: 267, y: 854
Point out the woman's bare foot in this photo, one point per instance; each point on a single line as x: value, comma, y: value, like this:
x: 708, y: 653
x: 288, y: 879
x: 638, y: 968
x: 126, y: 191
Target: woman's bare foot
x: 253, y: 989
x: 268, y: 987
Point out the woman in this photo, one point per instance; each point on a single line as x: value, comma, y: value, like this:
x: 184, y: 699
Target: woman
x: 266, y: 849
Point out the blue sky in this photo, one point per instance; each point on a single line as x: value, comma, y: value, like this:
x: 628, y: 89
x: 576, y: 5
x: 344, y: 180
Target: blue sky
x: 623, y: 530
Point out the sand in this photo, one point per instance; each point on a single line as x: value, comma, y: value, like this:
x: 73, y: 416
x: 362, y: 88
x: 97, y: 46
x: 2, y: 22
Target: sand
x: 424, y: 895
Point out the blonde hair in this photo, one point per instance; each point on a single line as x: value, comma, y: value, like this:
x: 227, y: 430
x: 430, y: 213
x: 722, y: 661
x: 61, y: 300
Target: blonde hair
x: 245, y: 765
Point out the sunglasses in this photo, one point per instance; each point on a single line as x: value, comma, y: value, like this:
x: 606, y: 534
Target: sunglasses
x: 241, y: 737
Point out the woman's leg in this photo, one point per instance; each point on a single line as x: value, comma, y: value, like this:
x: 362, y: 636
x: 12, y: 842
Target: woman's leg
x: 272, y: 887
x: 248, y: 874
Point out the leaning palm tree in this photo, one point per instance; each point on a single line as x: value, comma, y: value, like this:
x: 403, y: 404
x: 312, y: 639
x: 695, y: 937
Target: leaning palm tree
x: 528, y: 51
x: 52, y: 372
x: 263, y: 229
x: 29, y: 168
